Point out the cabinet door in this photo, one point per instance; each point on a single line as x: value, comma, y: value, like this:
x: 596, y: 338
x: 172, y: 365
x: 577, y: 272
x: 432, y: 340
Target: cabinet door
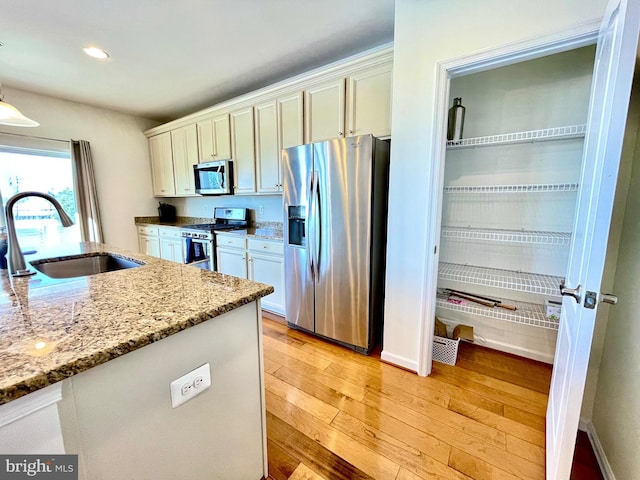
x: 149, y: 245
x: 161, y: 165
x: 206, y: 148
x: 171, y: 249
x: 166, y: 248
x: 290, y: 120
x: 243, y: 151
x: 369, y: 102
x: 214, y: 139
x: 269, y: 269
x: 184, y: 145
x: 232, y: 261
x: 142, y: 244
x: 267, y: 151
x: 290, y: 126
x: 222, y: 137
x: 324, y: 111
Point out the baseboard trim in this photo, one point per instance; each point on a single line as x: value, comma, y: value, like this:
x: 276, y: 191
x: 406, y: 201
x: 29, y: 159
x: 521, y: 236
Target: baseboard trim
x: 399, y: 361
x: 588, y: 427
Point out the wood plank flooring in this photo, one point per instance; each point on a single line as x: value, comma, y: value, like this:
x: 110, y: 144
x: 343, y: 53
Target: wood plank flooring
x: 336, y: 414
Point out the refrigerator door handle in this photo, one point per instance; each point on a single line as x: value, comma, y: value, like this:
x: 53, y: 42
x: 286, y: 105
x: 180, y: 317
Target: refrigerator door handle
x: 318, y: 224
x: 311, y: 228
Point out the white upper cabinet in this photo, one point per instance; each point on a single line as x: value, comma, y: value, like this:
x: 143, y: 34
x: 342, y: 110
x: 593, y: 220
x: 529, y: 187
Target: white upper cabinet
x: 214, y: 138
x: 243, y: 151
x: 184, y: 145
x: 279, y: 124
x: 290, y: 120
x: 267, y: 151
x: 162, y: 165
x: 350, y: 99
x: 324, y: 111
x: 369, y: 102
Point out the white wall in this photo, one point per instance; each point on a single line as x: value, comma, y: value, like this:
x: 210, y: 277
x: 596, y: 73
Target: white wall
x: 427, y: 33
x: 120, y: 154
x: 616, y: 415
x: 203, y: 206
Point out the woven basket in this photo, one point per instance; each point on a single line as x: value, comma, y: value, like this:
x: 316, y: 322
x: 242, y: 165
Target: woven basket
x: 445, y: 350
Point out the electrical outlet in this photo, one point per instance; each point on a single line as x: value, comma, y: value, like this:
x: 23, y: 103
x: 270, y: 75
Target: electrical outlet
x: 189, y: 385
x: 261, y: 210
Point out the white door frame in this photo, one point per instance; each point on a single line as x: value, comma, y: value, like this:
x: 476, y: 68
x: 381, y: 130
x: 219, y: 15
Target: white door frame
x: 580, y: 36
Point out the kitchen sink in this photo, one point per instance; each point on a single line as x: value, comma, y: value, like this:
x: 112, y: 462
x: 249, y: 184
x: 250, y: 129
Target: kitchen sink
x: 82, y: 265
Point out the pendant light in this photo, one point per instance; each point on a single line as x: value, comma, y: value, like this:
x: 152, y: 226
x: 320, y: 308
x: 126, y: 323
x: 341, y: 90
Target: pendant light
x: 10, y: 115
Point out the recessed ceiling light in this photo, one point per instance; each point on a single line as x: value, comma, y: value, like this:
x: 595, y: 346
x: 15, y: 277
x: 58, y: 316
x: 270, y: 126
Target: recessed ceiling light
x: 96, y: 52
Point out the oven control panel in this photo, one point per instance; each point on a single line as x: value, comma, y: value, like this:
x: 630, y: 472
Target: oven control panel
x: 198, y: 235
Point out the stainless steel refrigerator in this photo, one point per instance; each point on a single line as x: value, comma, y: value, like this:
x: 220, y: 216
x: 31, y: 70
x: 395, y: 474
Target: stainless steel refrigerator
x: 335, y: 210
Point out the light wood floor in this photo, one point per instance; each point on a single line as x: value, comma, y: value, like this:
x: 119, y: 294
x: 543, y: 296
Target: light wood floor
x: 335, y: 414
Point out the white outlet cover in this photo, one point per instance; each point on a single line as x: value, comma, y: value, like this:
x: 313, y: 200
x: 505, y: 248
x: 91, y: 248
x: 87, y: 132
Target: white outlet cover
x: 192, y: 387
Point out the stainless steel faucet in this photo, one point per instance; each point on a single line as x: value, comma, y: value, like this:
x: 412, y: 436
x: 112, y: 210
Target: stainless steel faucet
x: 17, y: 266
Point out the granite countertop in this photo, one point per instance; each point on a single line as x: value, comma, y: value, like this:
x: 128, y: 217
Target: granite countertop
x: 51, y: 329
x: 180, y: 221
x: 265, y: 230
x: 256, y: 232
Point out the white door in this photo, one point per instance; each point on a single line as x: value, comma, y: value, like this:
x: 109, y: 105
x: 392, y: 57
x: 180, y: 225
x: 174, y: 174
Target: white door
x: 615, y: 57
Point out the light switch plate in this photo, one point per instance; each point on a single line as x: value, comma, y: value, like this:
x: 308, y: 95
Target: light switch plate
x: 190, y: 385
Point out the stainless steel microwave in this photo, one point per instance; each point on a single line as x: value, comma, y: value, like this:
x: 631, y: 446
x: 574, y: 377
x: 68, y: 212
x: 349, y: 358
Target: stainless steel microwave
x: 214, y: 178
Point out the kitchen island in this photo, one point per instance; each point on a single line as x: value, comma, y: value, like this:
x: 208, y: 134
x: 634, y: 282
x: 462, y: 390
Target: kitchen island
x: 113, y: 342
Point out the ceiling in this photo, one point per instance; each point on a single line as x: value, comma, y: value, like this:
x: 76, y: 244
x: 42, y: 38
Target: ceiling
x: 173, y: 57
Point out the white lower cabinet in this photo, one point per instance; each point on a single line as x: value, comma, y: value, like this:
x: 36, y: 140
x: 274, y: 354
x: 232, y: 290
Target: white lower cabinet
x: 162, y: 242
x: 171, y: 245
x: 231, y: 255
x: 256, y: 259
x: 265, y: 264
x: 148, y: 240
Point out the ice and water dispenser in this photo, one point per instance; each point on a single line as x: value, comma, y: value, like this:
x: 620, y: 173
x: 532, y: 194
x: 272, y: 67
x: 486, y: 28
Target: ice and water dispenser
x: 297, y: 215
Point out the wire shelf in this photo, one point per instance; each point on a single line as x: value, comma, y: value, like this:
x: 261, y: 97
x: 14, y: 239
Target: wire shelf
x: 495, y: 277
x: 556, y: 133
x: 527, y: 313
x: 527, y: 188
x: 510, y: 236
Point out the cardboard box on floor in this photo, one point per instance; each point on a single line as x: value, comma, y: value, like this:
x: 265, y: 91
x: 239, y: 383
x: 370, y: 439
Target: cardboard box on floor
x: 462, y: 332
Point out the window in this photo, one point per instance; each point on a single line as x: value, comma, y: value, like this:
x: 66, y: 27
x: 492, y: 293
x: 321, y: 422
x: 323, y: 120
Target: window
x: 43, y: 167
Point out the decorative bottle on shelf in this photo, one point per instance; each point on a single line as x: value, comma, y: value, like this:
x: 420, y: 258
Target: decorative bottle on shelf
x: 456, y: 120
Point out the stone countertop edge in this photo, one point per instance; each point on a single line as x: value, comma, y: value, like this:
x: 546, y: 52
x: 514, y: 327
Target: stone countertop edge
x: 88, y: 330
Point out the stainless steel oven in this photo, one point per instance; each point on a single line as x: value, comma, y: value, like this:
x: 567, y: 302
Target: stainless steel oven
x: 200, y: 239
x: 198, y: 247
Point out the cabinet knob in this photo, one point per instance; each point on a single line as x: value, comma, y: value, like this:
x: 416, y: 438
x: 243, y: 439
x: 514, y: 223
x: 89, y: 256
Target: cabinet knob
x: 340, y: 133
x: 350, y: 132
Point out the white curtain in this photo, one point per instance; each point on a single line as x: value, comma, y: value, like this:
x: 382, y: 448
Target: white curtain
x: 86, y: 193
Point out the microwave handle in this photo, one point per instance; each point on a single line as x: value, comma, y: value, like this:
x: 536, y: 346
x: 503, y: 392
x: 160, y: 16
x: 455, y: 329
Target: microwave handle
x: 222, y: 176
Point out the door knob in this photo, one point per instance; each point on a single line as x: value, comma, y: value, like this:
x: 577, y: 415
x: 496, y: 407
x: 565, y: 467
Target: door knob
x: 609, y: 298
x: 570, y: 292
